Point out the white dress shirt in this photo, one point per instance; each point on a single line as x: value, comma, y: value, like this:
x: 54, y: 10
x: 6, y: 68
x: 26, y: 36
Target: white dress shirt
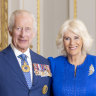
x: 27, y: 53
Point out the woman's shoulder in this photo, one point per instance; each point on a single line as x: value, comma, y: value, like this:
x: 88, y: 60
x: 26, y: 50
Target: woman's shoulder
x: 55, y: 62
x: 91, y: 59
x: 91, y: 56
x: 58, y: 58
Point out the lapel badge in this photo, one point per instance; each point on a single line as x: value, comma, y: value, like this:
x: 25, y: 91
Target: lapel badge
x: 44, y: 89
x: 91, y: 69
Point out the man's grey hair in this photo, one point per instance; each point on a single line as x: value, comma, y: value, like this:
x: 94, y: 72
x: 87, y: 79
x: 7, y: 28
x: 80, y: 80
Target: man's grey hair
x: 17, y: 12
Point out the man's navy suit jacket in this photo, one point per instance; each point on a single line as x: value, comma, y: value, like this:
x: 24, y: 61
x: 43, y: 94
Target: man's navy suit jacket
x: 12, y: 80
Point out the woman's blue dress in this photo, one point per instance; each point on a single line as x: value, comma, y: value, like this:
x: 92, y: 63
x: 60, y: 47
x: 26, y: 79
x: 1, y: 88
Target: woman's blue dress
x: 66, y: 83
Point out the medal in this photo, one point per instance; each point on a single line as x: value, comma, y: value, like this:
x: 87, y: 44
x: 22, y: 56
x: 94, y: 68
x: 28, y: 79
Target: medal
x: 42, y: 70
x: 25, y: 67
x: 45, y: 89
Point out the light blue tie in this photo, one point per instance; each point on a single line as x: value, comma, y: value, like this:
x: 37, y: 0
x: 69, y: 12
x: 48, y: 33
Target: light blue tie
x: 23, y: 58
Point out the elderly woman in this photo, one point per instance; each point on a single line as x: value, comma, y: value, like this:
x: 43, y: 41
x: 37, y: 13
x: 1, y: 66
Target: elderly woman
x: 74, y: 72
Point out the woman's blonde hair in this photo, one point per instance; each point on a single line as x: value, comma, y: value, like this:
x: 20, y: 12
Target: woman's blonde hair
x: 77, y: 27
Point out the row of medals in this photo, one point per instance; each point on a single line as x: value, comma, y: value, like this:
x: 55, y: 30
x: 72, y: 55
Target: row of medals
x: 26, y: 68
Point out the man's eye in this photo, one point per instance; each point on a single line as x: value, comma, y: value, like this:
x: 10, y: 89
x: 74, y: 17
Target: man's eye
x: 18, y: 28
x: 27, y: 28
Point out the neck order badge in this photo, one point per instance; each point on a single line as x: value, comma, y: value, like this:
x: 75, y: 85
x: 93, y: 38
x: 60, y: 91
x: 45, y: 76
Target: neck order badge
x: 25, y: 67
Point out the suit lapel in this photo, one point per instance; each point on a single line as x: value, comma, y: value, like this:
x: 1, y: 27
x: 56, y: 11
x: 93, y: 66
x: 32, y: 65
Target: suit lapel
x: 34, y: 60
x: 13, y: 63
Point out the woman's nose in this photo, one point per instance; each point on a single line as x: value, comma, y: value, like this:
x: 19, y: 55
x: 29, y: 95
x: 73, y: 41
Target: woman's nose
x: 72, y: 41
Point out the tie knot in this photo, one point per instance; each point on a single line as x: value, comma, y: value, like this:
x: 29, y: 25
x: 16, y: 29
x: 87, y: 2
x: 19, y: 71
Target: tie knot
x: 22, y: 56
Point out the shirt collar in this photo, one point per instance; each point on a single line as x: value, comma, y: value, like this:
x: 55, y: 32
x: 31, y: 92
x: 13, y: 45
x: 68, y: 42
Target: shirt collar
x: 17, y: 52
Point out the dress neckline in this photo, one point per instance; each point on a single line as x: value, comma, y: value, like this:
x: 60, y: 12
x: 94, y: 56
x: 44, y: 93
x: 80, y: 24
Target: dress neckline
x: 77, y: 65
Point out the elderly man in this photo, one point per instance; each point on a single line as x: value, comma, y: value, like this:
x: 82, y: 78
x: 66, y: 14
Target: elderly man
x: 23, y: 72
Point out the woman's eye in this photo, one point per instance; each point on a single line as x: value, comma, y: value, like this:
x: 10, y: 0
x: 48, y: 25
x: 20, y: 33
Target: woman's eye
x: 76, y: 37
x: 67, y: 38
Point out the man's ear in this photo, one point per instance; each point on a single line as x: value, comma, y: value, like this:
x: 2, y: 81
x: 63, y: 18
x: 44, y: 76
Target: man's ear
x: 34, y: 34
x: 10, y: 32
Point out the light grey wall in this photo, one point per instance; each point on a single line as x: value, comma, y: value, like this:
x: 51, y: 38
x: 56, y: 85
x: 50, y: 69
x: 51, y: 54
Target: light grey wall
x: 86, y: 11
x: 52, y: 15
x: 30, y: 5
x: 55, y: 12
x: 12, y: 5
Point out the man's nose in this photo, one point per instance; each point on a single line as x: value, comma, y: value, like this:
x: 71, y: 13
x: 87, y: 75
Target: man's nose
x: 23, y: 32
